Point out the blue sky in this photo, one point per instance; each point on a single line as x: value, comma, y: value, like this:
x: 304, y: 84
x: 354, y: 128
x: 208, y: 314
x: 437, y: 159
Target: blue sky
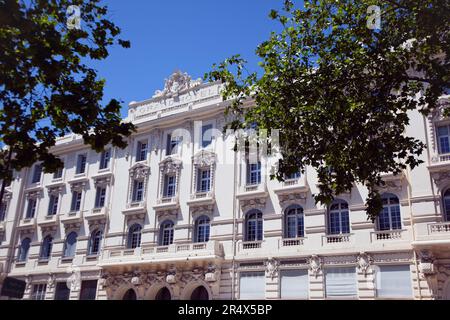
x: 179, y: 34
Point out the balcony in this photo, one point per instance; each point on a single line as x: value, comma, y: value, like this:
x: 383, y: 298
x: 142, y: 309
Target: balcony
x: 291, y: 242
x: 388, y: 235
x: 433, y: 235
x: 49, y: 221
x: 167, y: 203
x: 252, y: 191
x: 442, y: 228
x: 135, y: 208
x: 73, y: 217
x: 97, y: 214
x: 162, y: 254
x: 27, y: 223
x: 201, y: 199
x: 336, y: 238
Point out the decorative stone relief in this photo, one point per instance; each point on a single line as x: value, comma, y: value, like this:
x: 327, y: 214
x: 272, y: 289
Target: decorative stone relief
x: 256, y: 203
x: 272, y: 267
x: 202, y: 209
x: 175, y: 84
x: 364, y: 261
x: 426, y: 263
x: 315, y: 264
x: 212, y: 273
x: 292, y: 198
x: 441, y: 178
x: 78, y: 186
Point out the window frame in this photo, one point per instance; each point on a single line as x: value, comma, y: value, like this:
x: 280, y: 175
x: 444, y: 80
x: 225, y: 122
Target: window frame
x: 20, y: 253
x: 75, y: 204
x: 389, y: 207
x: 95, y: 240
x: 53, y: 205
x: 70, y: 253
x: 46, y: 248
x: 253, y: 176
x: 166, y: 234
x: 37, y: 169
x: 134, y: 236
x: 255, y: 223
x: 299, y: 218
x: 343, y: 214
x: 80, y: 167
x: 105, y: 159
x: 31, y: 209
x: 202, y: 222
x: 141, y: 153
x: 100, y: 197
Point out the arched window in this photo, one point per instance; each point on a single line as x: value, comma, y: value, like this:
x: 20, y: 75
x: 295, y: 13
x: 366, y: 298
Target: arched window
x: 166, y: 233
x: 202, y: 229
x: 294, y: 223
x: 70, y: 245
x: 389, y: 217
x: 200, y: 293
x: 338, y: 220
x: 253, y: 226
x: 134, y: 236
x: 129, y: 295
x: 163, y: 294
x: 95, y: 242
x: 46, y: 249
x: 23, y: 249
x: 446, y: 204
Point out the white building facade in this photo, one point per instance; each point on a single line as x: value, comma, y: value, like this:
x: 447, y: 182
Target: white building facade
x: 179, y: 215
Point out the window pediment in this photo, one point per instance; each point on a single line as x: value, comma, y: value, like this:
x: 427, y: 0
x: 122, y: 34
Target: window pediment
x: 170, y: 165
x: 204, y: 159
x: 139, y: 171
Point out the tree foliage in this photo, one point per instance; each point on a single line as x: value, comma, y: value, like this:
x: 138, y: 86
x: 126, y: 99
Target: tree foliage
x: 341, y: 92
x: 47, y: 89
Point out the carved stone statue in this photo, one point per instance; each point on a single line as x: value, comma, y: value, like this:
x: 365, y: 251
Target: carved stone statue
x: 176, y: 83
x: 315, y: 265
x: 272, y: 267
x: 364, y: 261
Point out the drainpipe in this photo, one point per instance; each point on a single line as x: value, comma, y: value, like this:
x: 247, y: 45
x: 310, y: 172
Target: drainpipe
x: 233, y: 276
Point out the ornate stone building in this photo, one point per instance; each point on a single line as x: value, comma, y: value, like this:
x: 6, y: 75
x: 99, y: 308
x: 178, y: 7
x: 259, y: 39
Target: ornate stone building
x: 179, y: 215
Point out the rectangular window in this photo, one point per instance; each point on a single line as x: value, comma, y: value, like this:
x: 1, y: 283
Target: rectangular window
x: 39, y: 291
x: 169, y: 186
x: 3, y: 208
x: 62, y: 292
x: 253, y: 173
x: 100, y: 197
x: 206, y: 135
x: 394, y: 282
x: 252, y: 286
x: 104, y: 159
x: 443, y: 139
x: 88, y: 290
x: 138, y: 191
x: 76, y: 201
x: 173, y: 144
x: 204, y: 180
x: 37, y: 174
x: 81, y: 163
x: 31, y: 208
x: 294, y: 284
x: 53, y: 205
x: 293, y: 176
x: 341, y: 283
x: 141, y: 151
x: 58, y: 173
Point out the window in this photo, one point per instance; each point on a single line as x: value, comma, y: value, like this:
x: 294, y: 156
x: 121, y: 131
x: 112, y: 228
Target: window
x: 81, y: 164
x: 62, y: 292
x: 293, y: 176
x: 389, y: 217
x: 338, y: 219
x: 134, y: 236
x: 204, y: 180
x: 23, y: 250
x: 341, y: 283
x: 166, y: 233
x: 46, y: 249
x: 443, y: 139
x: 294, y: 284
x: 129, y: 295
x: 253, y: 226
x: 252, y: 285
x: 104, y: 159
x: 76, y: 201
x: 138, y: 191
x: 253, y: 173
x: 394, y: 282
x: 173, y: 144
x: 3, y: 209
x: 39, y: 291
x: 141, y: 151
x: 100, y: 197
x: 206, y: 135
x: 53, y: 205
x: 294, y: 223
x: 31, y: 208
x: 446, y: 203
x: 70, y: 245
x: 95, y: 242
x: 202, y: 227
x: 37, y: 174
x: 169, y: 185
x: 88, y: 290
x: 58, y: 173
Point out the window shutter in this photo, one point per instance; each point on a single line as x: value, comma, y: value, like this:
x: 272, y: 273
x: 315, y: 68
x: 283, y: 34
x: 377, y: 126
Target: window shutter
x: 252, y: 285
x: 394, y: 282
x: 294, y: 284
x: 341, y: 282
